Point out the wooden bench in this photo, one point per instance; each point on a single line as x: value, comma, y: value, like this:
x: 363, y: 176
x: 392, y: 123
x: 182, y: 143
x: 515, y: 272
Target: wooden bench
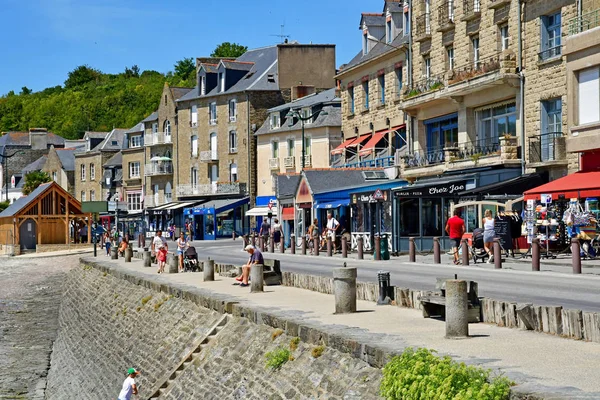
x: 434, y: 305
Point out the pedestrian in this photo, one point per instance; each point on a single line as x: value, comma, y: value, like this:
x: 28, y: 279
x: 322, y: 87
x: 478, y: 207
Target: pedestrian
x: 332, y: 227
x: 256, y: 257
x: 107, y: 243
x: 488, y: 234
x: 277, y: 233
x: 129, y: 386
x: 313, y: 233
x: 123, y: 246
x: 182, y: 245
x: 160, y: 249
x: 173, y: 232
x: 265, y: 231
x: 455, y: 227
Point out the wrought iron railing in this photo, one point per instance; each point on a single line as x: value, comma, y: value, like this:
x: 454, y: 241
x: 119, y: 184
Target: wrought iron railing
x: 474, y: 68
x: 550, y: 53
x: 585, y: 22
x: 547, y: 147
x: 476, y: 149
x: 211, y: 188
x: 422, y: 158
x: 471, y: 8
x: 158, y: 168
x: 446, y: 13
x: 423, y: 25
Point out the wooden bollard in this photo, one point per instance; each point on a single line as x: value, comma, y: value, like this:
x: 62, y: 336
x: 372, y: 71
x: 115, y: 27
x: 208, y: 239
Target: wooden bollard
x: 271, y: 244
x: 303, y: 245
x: 329, y: 246
x: 293, y: 243
x: 497, y: 254
x: 208, y: 272
x: 344, y: 247
x: 535, y: 254
x: 359, y: 247
x: 412, y: 251
x: 437, y: 257
x: 316, y: 246
x: 377, y: 248
x: 576, y: 255
x: 465, y: 251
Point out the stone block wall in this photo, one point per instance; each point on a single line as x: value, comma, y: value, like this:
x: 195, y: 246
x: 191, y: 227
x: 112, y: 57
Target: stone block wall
x: 45, y: 248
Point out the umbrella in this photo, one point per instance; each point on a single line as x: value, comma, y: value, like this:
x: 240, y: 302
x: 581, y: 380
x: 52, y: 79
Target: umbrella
x: 160, y: 158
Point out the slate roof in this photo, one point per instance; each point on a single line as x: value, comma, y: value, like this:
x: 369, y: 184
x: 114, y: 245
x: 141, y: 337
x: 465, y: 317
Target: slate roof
x: 380, y: 48
x: 310, y: 100
x: 287, y: 185
x: 78, y: 144
x: 178, y: 92
x: 240, y: 66
x: 394, y: 6
x: 116, y: 135
x: 67, y: 158
x: 36, y: 165
x: 22, y: 139
x: 333, y: 118
x: 329, y: 180
x: 95, y: 135
x: 115, y: 161
x: 257, y: 79
x: 372, y: 19
x: 151, y: 117
x: 138, y: 128
x: 23, y: 202
x: 210, y: 68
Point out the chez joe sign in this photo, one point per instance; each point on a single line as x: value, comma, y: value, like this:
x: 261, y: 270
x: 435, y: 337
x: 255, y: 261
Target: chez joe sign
x: 441, y: 190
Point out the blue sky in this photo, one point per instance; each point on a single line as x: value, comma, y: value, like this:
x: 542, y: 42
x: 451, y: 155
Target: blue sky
x: 43, y: 40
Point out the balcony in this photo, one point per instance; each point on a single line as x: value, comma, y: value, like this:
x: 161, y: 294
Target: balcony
x: 273, y: 163
x: 209, y: 156
x: 289, y: 162
x: 423, y: 27
x: 547, y: 149
x: 495, y: 4
x: 550, y: 54
x: 213, y: 121
x: 227, y: 188
x: 308, y: 161
x: 156, y: 138
x: 471, y: 10
x: 158, y: 168
x: 446, y: 16
x: 584, y: 23
x: 232, y: 118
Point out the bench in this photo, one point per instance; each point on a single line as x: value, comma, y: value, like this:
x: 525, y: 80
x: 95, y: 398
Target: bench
x: 434, y: 305
x: 271, y: 272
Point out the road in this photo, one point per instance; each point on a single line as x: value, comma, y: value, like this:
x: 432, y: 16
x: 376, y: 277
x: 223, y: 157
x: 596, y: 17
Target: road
x: 541, y: 288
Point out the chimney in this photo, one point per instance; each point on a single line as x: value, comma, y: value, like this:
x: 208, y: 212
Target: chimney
x: 301, y: 91
x: 38, y: 138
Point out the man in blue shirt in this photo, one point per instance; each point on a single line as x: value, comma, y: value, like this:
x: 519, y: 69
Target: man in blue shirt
x: 256, y: 257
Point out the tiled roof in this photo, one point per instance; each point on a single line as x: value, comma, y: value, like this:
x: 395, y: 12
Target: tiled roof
x: 380, y: 48
x: 152, y: 117
x: 287, y: 185
x: 210, y: 68
x: 240, y: 66
x: 114, y: 141
x: 22, y: 139
x: 332, y: 118
x: 394, y: 6
x: 372, y: 19
x: 310, y: 100
x: 95, y: 135
x: 23, y: 202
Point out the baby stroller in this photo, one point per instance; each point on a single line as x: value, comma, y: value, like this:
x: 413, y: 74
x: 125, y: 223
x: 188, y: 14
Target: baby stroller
x: 477, y: 250
x: 190, y: 260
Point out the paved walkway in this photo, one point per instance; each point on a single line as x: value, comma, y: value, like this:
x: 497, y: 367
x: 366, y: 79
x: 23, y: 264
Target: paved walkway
x: 538, y: 362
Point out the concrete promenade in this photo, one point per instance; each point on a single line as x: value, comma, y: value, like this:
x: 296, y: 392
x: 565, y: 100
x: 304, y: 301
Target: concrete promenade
x: 547, y: 365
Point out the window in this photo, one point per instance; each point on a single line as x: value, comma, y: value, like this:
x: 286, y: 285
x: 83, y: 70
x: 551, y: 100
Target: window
x: 168, y: 193
x: 550, y: 25
x: 154, y: 127
x: 134, y: 201
x: 398, y: 73
x: 427, y: 67
x: 275, y: 121
x: 167, y: 128
x: 365, y: 86
x: 203, y: 85
x: 83, y: 172
x: 504, y: 37
x: 365, y: 42
x: 54, y: 178
x: 381, y: 79
x: 212, y: 110
x: 135, y: 141
x: 221, y: 81
x: 389, y: 30
x: 495, y: 122
x: 92, y: 195
x: 351, y: 99
x: 449, y: 58
x: 92, y: 171
x: 475, y: 51
x: 291, y: 143
x: 194, y: 177
x: 307, y: 146
x: 233, y: 174
x: 274, y: 149
x: 233, y: 142
x: 134, y: 169
x: 232, y: 110
x: 551, y: 121
x: 83, y: 195
x: 409, y: 217
x: 165, y: 99
x: 194, y: 146
x: 194, y: 114
x: 406, y: 23
x: 431, y: 217
x: 589, y: 96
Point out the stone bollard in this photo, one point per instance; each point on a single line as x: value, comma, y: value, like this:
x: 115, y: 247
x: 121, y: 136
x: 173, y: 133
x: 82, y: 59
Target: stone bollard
x: 457, y: 310
x: 316, y: 246
x: 256, y: 278
x: 377, y: 248
x: 147, y: 258
x: 128, y: 254
x: 114, y: 253
x: 437, y: 256
x: 497, y: 254
x: 344, y: 247
x: 303, y: 245
x: 465, y: 251
x: 329, y: 246
x: 359, y: 247
x: 209, y: 270
x: 412, y: 251
x: 173, y: 264
x: 271, y: 244
x: 344, y: 289
x: 576, y: 255
x: 281, y: 245
x: 293, y: 243
x: 535, y: 254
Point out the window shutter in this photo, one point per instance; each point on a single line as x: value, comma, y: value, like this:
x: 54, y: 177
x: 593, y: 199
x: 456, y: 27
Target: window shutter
x: 589, y: 96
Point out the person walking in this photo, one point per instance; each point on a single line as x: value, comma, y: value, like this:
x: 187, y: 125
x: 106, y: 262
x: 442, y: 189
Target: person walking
x: 265, y: 231
x: 129, y: 386
x: 278, y: 233
x: 182, y: 245
x: 455, y: 227
x: 332, y: 227
x: 160, y: 249
x: 488, y: 234
x: 107, y: 243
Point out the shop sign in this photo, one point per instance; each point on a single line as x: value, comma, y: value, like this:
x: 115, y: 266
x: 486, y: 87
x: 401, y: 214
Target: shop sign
x: 379, y: 195
x: 442, y: 190
x: 546, y: 198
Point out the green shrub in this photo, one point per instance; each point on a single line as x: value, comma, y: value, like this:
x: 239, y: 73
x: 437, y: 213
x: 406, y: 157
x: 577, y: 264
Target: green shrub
x: 420, y: 374
x: 278, y: 357
x: 317, y: 351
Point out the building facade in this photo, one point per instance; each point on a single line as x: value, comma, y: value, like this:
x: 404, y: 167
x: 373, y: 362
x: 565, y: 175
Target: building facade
x: 134, y: 160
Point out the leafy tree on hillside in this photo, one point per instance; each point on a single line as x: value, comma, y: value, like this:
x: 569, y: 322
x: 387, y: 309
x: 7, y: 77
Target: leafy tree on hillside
x: 33, y: 180
x: 82, y: 75
x: 230, y: 50
x: 133, y: 72
x: 184, y: 68
x: 25, y: 91
x: 4, y: 205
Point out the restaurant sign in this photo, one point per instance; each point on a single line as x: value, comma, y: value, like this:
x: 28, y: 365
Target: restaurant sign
x: 373, y: 197
x: 440, y: 190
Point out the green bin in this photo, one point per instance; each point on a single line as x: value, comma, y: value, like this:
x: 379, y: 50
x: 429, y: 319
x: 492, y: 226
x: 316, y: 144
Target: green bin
x: 383, y: 247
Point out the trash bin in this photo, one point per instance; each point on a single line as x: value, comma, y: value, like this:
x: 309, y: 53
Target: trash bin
x: 383, y: 277
x: 383, y: 247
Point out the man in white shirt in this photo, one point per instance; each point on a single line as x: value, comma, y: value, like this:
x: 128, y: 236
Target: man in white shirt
x: 332, y: 227
x: 129, y: 386
x: 158, y: 242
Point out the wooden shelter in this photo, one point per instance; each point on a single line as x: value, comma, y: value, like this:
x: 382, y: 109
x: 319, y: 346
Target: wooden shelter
x: 48, y: 215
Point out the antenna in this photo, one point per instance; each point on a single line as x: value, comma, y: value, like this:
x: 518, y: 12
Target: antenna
x: 282, y: 35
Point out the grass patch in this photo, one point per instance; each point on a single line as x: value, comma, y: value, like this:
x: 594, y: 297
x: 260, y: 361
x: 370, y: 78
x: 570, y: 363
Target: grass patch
x: 317, y: 351
x: 278, y: 357
x: 420, y: 374
x: 138, y: 309
x: 146, y: 299
x: 294, y: 343
x: 104, y: 274
x: 276, y: 333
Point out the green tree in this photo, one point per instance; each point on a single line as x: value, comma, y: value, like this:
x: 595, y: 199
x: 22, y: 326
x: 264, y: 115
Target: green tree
x: 4, y: 205
x: 25, y: 91
x: 34, y: 179
x: 82, y: 75
x: 184, y: 68
x: 230, y: 50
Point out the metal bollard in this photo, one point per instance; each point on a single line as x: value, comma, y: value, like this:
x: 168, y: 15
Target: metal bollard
x: 457, y: 309
x: 128, y: 254
x: 173, y: 264
x: 412, y: 251
x: 329, y: 246
x: 535, y: 254
x: 303, y: 245
x: 316, y: 246
x: 344, y: 247
x: 256, y: 278
x: 282, y: 245
x: 437, y: 257
x: 114, y: 253
x: 233, y: 235
x: 344, y: 289
x: 271, y: 244
x: 147, y: 258
x: 377, y: 249
x: 465, y: 251
x: 497, y: 254
x: 383, y: 277
x: 576, y: 255
x: 208, y: 272
x: 293, y: 243
x: 359, y: 247
x: 245, y: 242
x: 253, y: 239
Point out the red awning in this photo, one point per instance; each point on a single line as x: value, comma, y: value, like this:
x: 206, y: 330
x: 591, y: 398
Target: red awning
x: 341, y: 147
x: 370, y: 146
x: 287, y: 214
x: 359, y: 140
x: 577, y: 185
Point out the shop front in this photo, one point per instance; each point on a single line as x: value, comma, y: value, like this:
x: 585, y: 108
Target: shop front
x: 218, y: 219
x: 371, y: 215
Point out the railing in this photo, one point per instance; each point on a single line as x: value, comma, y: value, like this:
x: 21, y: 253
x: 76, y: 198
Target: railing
x: 213, y: 121
x: 547, y: 147
x: 474, y: 69
x: 308, y: 161
x: 476, y: 149
x: 273, y: 163
x: 422, y: 158
x: 211, y: 188
x: 585, y: 22
x: 383, y: 162
x: 425, y: 85
x: 158, y: 168
x: 550, y: 53
x: 471, y: 9
x: 208, y: 156
x: 152, y: 139
x: 446, y: 14
x: 289, y: 162
x: 423, y: 26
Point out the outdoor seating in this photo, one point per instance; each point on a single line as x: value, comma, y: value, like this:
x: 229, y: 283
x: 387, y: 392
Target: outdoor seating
x: 434, y: 304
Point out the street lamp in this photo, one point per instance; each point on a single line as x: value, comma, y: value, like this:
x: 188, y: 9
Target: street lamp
x: 296, y: 114
x: 5, y: 172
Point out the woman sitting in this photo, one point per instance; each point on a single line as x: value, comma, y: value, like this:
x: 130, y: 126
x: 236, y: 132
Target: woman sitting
x: 123, y: 246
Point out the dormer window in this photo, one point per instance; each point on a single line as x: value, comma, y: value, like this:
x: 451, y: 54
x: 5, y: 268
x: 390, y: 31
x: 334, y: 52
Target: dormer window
x: 88, y: 144
x: 203, y: 85
x: 306, y: 113
x: 275, y: 121
x: 221, y: 81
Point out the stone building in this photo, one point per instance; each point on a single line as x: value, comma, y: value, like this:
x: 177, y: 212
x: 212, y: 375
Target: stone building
x: 134, y: 158
x: 371, y: 85
x: 59, y: 164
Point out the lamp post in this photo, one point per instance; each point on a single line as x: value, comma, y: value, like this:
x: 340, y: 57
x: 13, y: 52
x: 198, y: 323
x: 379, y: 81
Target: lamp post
x: 5, y: 172
x: 295, y: 114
